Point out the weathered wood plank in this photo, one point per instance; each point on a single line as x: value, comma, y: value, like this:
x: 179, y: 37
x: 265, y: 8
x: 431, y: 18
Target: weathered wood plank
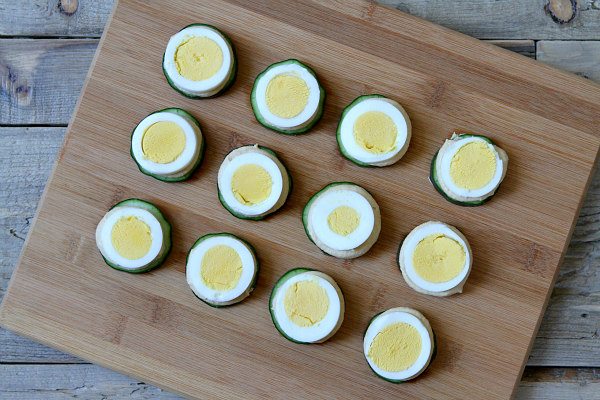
x: 582, y: 58
x: 40, y: 80
x: 54, y: 17
x: 44, y: 382
x: 486, y: 19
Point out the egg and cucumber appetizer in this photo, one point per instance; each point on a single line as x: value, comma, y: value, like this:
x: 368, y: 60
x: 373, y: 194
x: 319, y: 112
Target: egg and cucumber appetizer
x: 168, y: 145
x: 252, y: 182
x: 374, y: 131
x: 221, y: 269
x: 134, y: 236
x: 306, y: 306
x: 342, y: 219
x: 287, y: 97
x: 200, y: 61
x: 435, y: 259
x: 468, y: 169
x: 399, y: 344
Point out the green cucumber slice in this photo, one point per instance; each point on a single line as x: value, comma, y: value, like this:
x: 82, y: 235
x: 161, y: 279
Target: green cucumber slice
x: 164, y: 225
x: 198, y: 161
x: 227, y: 234
x: 289, y: 274
x: 232, y: 76
x: 261, y: 119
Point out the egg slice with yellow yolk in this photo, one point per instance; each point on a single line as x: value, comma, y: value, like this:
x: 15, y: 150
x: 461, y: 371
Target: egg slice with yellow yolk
x: 374, y: 131
x: 306, y: 306
x: 199, y: 61
x: 168, y: 145
x: 435, y: 259
x: 399, y: 344
x: 468, y: 169
x: 221, y: 269
x: 342, y: 219
x: 287, y: 97
x: 133, y: 236
x: 252, y: 182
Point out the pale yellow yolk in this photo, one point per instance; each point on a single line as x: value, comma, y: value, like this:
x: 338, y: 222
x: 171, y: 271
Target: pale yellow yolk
x: 251, y: 184
x: 163, y: 142
x: 198, y: 58
x: 438, y: 258
x: 287, y: 95
x: 396, y: 347
x: 306, y: 303
x: 375, y: 132
x: 221, y: 268
x: 343, y: 220
x: 131, y: 238
x: 473, y: 166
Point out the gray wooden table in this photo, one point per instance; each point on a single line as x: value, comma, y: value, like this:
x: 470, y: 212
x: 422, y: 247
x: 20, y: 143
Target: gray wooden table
x: 46, y: 47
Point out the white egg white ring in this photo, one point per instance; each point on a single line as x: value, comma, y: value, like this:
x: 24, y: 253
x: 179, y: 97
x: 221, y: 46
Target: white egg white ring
x: 394, y: 316
x: 187, y: 158
x: 312, y: 105
x: 390, y: 108
x: 329, y: 201
x: 410, y: 244
x: 104, y: 236
x: 224, y: 297
x: 323, y: 329
x: 239, y: 158
x: 210, y: 85
x: 444, y: 159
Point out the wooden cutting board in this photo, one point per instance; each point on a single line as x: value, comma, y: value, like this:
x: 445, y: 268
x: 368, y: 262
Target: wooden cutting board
x: 152, y: 327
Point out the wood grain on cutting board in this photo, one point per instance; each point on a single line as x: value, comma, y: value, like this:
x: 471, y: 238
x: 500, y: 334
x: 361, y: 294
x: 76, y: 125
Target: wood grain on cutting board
x: 151, y: 326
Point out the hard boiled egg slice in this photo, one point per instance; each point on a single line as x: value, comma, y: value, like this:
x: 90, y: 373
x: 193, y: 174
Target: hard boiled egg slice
x: 287, y: 97
x: 252, y: 182
x: 435, y: 259
x: 200, y: 61
x: 374, y: 131
x: 468, y: 169
x: 399, y: 344
x: 134, y: 236
x: 168, y: 145
x: 306, y: 306
x: 342, y: 219
x: 221, y: 269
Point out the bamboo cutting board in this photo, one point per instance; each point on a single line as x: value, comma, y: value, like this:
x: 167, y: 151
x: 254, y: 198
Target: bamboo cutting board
x: 152, y: 327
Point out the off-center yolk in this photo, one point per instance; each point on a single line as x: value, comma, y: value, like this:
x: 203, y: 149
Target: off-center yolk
x: 163, y: 142
x: 287, y: 95
x: 251, y: 184
x: 375, y: 132
x: 306, y: 303
x: 438, y: 258
x: 343, y: 220
x: 131, y: 238
x: 198, y: 58
x: 396, y: 347
x: 221, y: 268
x: 473, y: 166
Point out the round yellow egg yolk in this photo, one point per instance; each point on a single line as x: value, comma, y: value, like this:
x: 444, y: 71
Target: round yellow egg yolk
x: 221, y: 268
x: 251, y: 184
x: 131, y: 238
x: 198, y: 58
x: 306, y: 303
x: 438, y: 258
x: 396, y: 347
x: 375, y: 132
x: 287, y: 95
x: 343, y: 220
x: 163, y: 142
x: 473, y: 166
